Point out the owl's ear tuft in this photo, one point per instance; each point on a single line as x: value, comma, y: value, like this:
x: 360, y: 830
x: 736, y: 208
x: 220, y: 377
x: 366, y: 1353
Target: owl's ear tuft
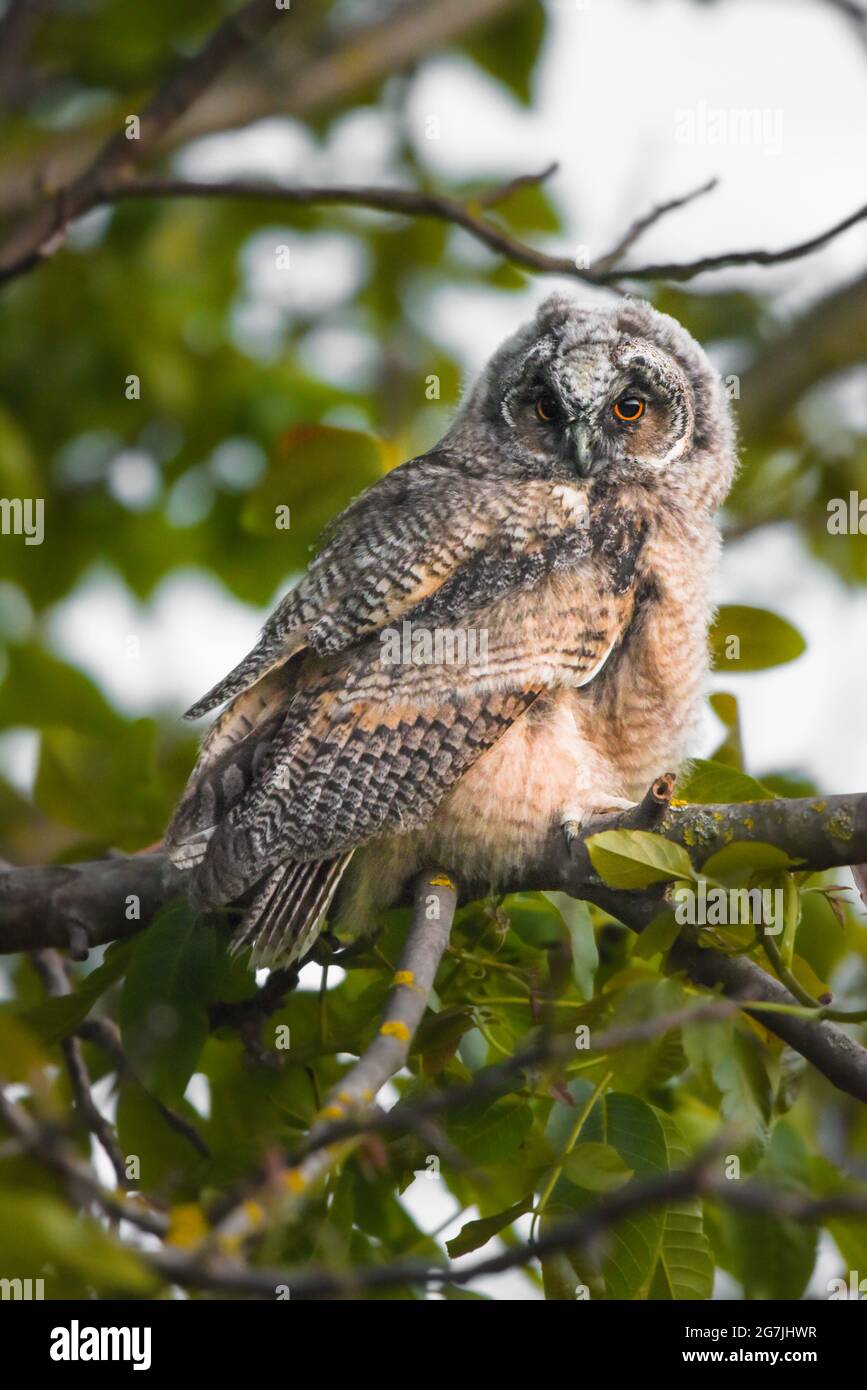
x: 554, y: 312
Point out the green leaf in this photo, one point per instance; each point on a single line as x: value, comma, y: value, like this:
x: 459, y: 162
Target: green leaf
x: 106, y: 787
x: 39, y: 691
x: 585, y: 952
x: 730, y: 751
x: 630, y: 1126
x: 658, y: 937
x: 439, y: 1036
x: 685, y: 1263
x: 636, y: 858
x: 707, y: 782
x: 849, y: 1232
x: 168, y: 986
x: 596, y: 1167
x: 735, y: 864
x: 651, y: 1061
x: 508, y: 48
x: 752, y: 639
x: 53, y: 1019
x: 726, y: 1057
x: 535, y: 919
x: 319, y: 471
x: 495, y: 1134
x: 771, y: 1255
x: 477, y: 1233
x: 37, y: 1230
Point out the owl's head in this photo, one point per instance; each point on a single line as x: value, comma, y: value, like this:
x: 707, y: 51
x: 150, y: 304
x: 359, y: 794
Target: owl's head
x: 625, y: 395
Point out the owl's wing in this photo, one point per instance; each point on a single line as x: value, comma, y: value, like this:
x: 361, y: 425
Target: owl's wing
x: 370, y: 745
x: 429, y: 528
x: 391, y: 549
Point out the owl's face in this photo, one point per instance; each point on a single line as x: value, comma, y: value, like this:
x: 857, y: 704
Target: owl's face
x: 622, y: 396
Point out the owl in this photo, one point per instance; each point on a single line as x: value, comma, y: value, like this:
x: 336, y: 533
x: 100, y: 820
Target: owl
x: 503, y: 636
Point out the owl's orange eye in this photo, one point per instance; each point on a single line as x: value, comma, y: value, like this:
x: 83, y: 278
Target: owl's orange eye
x: 547, y: 409
x: 629, y: 409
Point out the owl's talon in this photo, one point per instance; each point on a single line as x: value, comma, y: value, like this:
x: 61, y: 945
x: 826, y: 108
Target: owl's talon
x: 575, y: 820
x: 571, y: 830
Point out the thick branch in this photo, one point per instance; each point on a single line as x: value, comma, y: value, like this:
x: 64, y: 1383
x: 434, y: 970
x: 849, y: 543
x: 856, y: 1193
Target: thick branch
x: 86, y: 904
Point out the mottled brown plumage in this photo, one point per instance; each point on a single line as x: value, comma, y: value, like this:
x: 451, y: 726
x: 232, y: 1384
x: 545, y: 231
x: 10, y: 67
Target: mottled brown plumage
x: 575, y: 547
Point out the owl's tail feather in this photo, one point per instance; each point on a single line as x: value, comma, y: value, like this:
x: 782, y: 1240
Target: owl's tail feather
x: 285, y: 918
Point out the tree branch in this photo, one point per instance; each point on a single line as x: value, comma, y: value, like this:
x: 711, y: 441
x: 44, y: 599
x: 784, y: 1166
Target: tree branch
x: 50, y: 968
x: 405, y: 202
x: 40, y: 235
x: 643, y: 224
x: 571, y: 1234
x: 434, y: 901
x: 47, y: 1146
x: 319, y: 69
x: 686, y: 270
x: 85, y: 904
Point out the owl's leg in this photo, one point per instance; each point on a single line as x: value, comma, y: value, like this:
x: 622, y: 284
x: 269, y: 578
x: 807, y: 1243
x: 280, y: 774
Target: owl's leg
x: 576, y: 818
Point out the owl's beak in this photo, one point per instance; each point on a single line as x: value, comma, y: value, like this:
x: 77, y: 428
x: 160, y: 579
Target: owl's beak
x: 586, y: 461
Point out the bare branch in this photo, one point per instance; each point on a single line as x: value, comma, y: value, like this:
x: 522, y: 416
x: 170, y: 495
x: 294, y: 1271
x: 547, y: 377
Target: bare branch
x: 78, y: 906
x: 501, y: 191
x: 51, y: 970
x: 686, y: 270
x: 643, y: 224
x: 409, y: 202
x: 47, y: 1147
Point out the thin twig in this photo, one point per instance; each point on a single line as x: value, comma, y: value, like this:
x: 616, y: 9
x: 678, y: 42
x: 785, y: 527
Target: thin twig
x: 686, y: 270
x: 105, y: 1034
x: 643, y: 224
x: 46, y: 1146
x: 51, y: 970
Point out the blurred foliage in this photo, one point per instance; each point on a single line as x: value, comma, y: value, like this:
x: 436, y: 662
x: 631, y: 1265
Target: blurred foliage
x: 170, y: 402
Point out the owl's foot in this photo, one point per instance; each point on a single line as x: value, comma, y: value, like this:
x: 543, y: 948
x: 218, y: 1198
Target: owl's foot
x: 575, y: 819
